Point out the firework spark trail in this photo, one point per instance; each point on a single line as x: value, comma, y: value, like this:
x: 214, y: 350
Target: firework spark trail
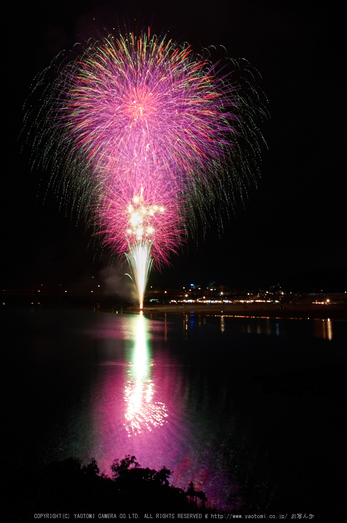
x: 146, y: 136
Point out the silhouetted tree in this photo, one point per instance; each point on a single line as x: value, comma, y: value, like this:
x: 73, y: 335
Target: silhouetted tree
x: 91, y: 469
x: 120, y: 468
x: 196, y: 494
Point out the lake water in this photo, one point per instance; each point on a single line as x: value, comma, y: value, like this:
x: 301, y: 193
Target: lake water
x: 249, y: 409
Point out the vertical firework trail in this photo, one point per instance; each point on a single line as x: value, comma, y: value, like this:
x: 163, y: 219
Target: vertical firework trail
x: 146, y: 139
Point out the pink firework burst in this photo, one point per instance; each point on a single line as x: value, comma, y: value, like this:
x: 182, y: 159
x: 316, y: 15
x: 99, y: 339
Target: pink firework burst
x: 146, y: 135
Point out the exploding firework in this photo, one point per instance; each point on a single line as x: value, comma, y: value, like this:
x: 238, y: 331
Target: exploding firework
x: 146, y: 137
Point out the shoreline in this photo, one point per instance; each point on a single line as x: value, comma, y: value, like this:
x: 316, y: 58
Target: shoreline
x: 300, y: 311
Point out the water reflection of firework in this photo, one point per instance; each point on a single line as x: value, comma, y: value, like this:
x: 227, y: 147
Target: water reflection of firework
x: 134, y: 125
x: 143, y: 395
x: 142, y: 412
x: 136, y: 401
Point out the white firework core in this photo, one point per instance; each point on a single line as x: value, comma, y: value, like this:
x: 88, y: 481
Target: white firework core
x: 139, y: 258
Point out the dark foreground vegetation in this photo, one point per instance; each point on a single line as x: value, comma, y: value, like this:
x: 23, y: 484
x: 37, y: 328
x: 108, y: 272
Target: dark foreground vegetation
x: 70, y: 487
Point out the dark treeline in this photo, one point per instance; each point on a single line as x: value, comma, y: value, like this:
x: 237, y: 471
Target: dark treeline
x: 71, y: 487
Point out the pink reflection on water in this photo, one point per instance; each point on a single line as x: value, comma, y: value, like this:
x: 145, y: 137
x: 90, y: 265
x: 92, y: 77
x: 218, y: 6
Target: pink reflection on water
x: 136, y: 405
x: 139, y: 406
x: 143, y: 411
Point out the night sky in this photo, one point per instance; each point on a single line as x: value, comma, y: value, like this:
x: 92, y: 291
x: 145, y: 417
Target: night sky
x: 292, y: 229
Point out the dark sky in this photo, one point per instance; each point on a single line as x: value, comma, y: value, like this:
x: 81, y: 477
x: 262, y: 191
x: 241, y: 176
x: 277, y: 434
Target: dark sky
x: 293, y: 226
